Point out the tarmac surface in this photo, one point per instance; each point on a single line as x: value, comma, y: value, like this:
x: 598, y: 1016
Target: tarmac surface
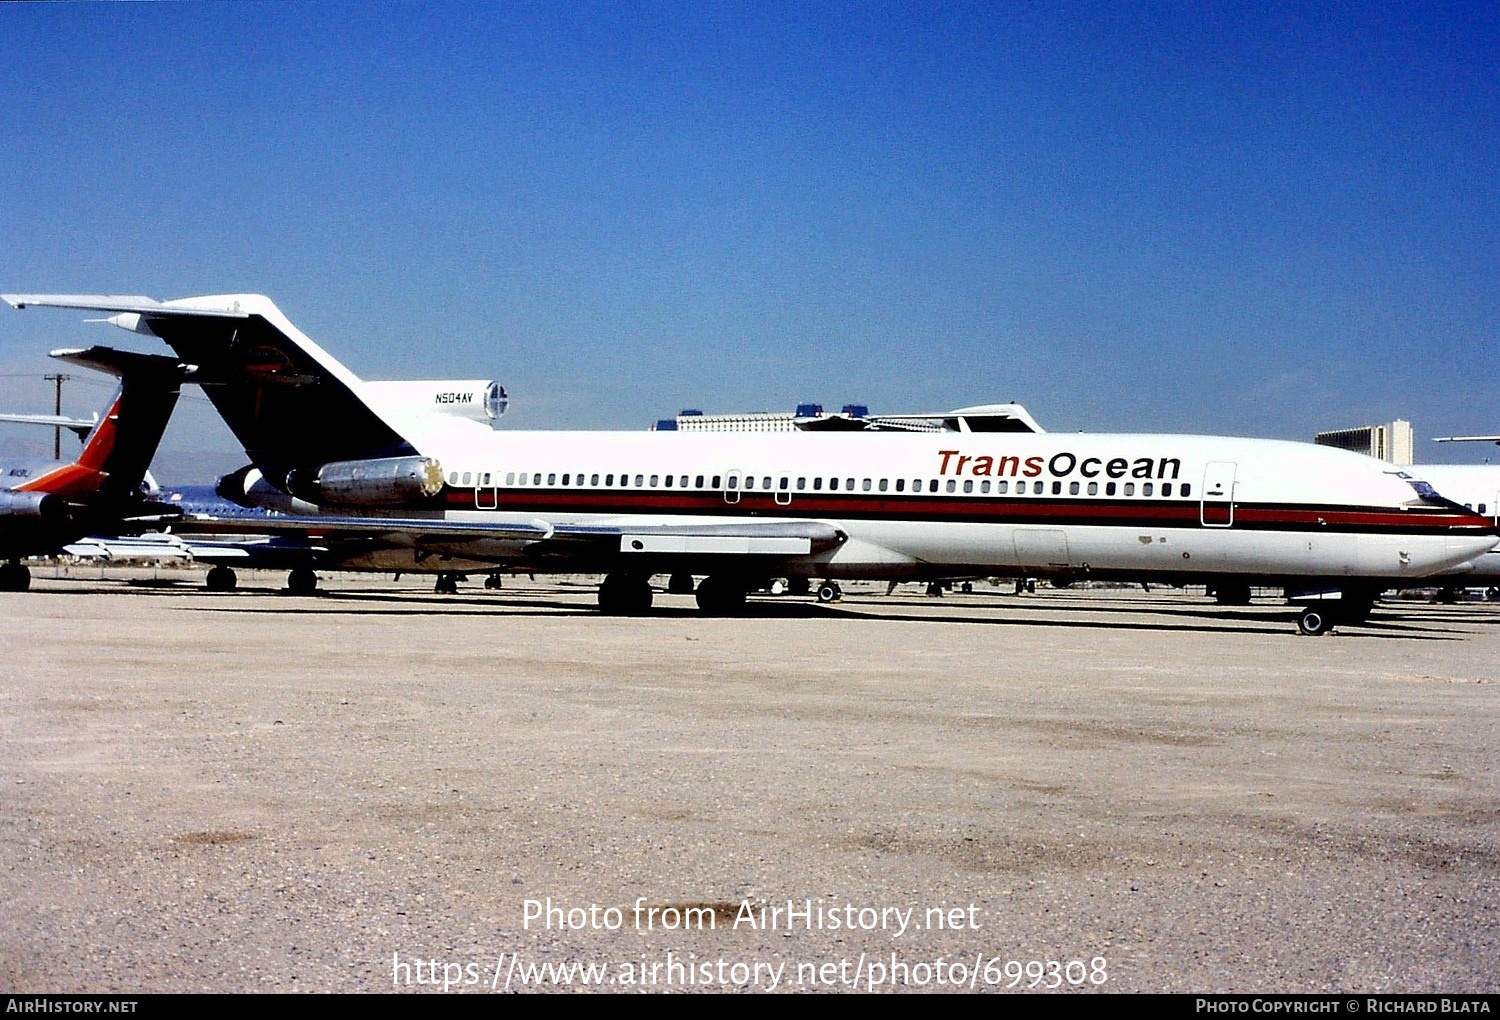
x: 380, y: 789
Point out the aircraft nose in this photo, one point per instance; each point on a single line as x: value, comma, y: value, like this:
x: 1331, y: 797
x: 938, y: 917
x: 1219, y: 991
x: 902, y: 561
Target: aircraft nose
x: 1460, y: 549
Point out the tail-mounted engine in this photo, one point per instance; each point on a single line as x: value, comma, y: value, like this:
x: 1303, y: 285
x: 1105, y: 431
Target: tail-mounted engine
x: 383, y: 482
x: 41, y: 506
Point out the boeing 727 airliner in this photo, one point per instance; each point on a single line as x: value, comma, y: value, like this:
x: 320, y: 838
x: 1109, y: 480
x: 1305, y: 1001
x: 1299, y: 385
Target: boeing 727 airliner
x: 740, y: 507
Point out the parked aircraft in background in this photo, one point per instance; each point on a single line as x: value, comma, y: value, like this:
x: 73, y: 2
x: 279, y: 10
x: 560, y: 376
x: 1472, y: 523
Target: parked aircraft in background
x: 81, y: 427
x: 46, y: 504
x: 301, y: 540
x: 1477, y: 488
x: 1468, y: 439
x: 228, y: 541
x: 740, y: 507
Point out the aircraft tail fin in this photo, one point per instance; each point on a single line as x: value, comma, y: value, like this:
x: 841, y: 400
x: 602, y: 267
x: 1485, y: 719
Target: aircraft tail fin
x: 292, y: 405
x: 121, y: 446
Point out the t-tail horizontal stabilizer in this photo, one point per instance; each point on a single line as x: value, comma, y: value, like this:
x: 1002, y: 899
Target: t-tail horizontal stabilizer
x: 292, y: 405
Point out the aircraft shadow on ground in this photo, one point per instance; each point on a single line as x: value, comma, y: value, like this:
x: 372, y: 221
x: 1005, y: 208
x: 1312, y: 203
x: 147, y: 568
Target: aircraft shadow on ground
x: 1415, y: 619
x: 1387, y: 624
x: 1234, y: 623
x: 1405, y: 621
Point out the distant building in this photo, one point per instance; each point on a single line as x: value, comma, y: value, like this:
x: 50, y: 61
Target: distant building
x: 1391, y: 442
x: 807, y: 416
x: 697, y: 421
x: 856, y: 418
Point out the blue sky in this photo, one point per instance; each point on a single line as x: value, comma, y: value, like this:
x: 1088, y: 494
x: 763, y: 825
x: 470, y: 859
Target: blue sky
x: 1245, y: 219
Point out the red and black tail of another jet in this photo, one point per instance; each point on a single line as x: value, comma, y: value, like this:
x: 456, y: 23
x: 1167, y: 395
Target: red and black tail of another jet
x: 117, y: 453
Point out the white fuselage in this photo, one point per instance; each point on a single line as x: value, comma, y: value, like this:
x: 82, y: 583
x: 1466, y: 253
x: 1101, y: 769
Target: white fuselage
x: 977, y: 503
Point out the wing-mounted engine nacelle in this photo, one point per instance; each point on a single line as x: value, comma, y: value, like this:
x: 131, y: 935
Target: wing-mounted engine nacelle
x: 41, y: 506
x: 382, y: 482
x: 478, y: 400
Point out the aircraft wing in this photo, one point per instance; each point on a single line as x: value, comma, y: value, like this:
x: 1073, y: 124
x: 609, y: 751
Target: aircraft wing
x: 786, y: 538
x: 238, y: 552
x: 754, y: 538
x: 121, y: 547
x: 534, y: 538
x: 431, y: 528
x: 1468, y: 439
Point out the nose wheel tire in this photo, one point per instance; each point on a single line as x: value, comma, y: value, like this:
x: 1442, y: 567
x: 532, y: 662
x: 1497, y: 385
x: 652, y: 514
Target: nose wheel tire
x: 1313, y: 622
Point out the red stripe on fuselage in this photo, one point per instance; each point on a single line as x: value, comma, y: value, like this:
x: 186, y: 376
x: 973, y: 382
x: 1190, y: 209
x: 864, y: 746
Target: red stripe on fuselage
x: 940, y: 509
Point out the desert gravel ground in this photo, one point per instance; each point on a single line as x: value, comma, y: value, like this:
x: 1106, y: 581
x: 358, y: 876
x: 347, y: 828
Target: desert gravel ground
x: 253, y: 791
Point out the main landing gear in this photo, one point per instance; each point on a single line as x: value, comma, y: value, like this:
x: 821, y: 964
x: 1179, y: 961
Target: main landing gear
x: 14, y: 576
x: 446, y: 583
x: 1231, y: 594
x: 625, y: 595
x: 302, y: 581
x: 222, y: 578
x: 721, y: 596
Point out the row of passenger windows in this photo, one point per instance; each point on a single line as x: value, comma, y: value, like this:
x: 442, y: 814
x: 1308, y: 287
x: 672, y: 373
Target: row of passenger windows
x: 769, y: 483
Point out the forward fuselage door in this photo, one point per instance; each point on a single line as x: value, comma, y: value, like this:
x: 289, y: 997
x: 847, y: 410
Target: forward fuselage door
x: 733, y: 479
x: 783, y: 485
x: 1216, y: 508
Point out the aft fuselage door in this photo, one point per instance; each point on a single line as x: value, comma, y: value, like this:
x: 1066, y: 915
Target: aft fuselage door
x: 783, y: 485
x: 733, y: 479
x: 486, y: 495
x: 1216, y: 509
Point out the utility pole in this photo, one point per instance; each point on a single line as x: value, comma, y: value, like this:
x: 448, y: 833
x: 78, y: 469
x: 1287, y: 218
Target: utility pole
x: 59, y: 378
